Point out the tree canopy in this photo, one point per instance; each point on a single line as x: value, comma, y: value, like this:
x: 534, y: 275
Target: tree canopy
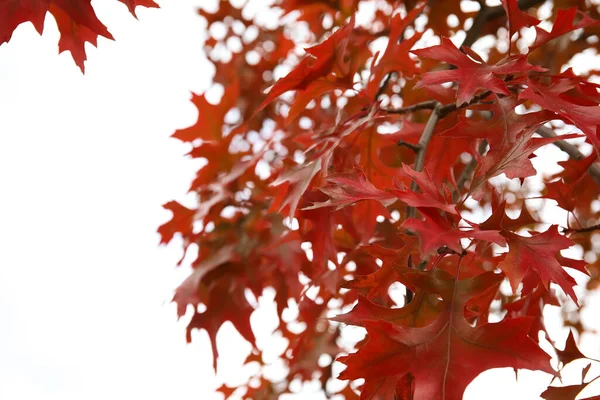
x: 362, y: 149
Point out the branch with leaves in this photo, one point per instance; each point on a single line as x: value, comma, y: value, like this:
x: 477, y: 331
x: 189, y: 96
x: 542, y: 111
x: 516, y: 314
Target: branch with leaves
x: 302, y: 188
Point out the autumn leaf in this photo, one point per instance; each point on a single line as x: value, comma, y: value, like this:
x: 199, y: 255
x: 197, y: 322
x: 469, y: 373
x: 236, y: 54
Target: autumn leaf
x: 76, y: 21
x: 181, y: 221
x: 444, y: 356
x: 370, y: 175
x: 209, y: 126
x: 348, y: 188
x: 470, y: 75
x: 517, y: 19
x: 432, y: 195
x: 564, y: 23
x: 585, y: 117
x: 435, y: 232
x: 320, y: 61
x: 538, y: 253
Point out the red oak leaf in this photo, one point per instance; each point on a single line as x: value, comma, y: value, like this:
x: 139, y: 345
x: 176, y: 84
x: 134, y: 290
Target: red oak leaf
x: 434, y: 196
x: 566, y: 392
x: 132, y: 4
x: 499, y: 220
x: 348, y: 188
x: 320, y: 61
x: 76, y: 21
x: 211, y: 117
x: 538, y: 253
x: 396, y: 55
x: 223, y: 304
x: 517, y: 19
x: 469, y: 74
x: 375, y: 286
x: 181, y: 221
x: 584, y: 117
x: 571, y: 352
x: 512, y: 159
x: 291, y: 186
x: 436, y: 232
x: 564, y: 23
x: 187, y: 292
x: 447, y: 354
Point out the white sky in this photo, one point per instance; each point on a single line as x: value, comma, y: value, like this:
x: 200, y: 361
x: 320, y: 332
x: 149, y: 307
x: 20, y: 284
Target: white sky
x: 85, y: 164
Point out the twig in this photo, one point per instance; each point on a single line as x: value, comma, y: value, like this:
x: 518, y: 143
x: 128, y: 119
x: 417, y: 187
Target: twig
x: 425, y: 105
x: 572, y: 151
x: 384, y: 85
x: 420, y: 158
x: 488, y: 13
x: 478, y: 24
x: 448, y: 108
x: 413, y: 147
x: 467, y: 172
x: 431, y: 104
x: 581, y: 230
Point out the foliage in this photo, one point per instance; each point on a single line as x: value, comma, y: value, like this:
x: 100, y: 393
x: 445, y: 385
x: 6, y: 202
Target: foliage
x: 377, y: 146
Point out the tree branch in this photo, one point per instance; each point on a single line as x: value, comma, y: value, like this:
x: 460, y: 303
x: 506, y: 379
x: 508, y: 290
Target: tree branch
x: 488, y: 13
x: 422, y: 145
x: 572, y: 151
x: 581, y: 230
x: 431, y: 104
x: 384, y: 85
x: 467, y: 172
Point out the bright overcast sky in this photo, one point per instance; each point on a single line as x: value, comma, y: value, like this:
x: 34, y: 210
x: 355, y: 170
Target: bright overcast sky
x: 85, y: 164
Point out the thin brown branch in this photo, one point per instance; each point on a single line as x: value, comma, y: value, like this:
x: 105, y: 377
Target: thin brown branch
x: 422, y: 145
x: 467, y: 172
x: 572, y: 151
x: 479, y: 22
x: 582, y: 230
x: 425, y: 105
x: 489, y: 13
x: 448, y: 108
x: 431, y: 104
x: 413, y: 147
x: 384, y: 85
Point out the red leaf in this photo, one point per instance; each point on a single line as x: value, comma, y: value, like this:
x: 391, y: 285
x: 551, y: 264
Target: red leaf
x: 432, y: 197
x: 187, y: 292
x: 181, y: 221
x: 499, y: 220
x: 538, y: 253
x: 585, y: 117
x: 470, y: 75
x: 437, y: 232
x: 571, y: 352
x: 348, y: 188
x: 447, y: 354
x: 209, y: 126
x: 291, y: 186
x: 132, y: 4
x: 320, y: 61
x: 564, y: 24
x: 76, y: 21
x: 224, y: 304
x: 517, y: 19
